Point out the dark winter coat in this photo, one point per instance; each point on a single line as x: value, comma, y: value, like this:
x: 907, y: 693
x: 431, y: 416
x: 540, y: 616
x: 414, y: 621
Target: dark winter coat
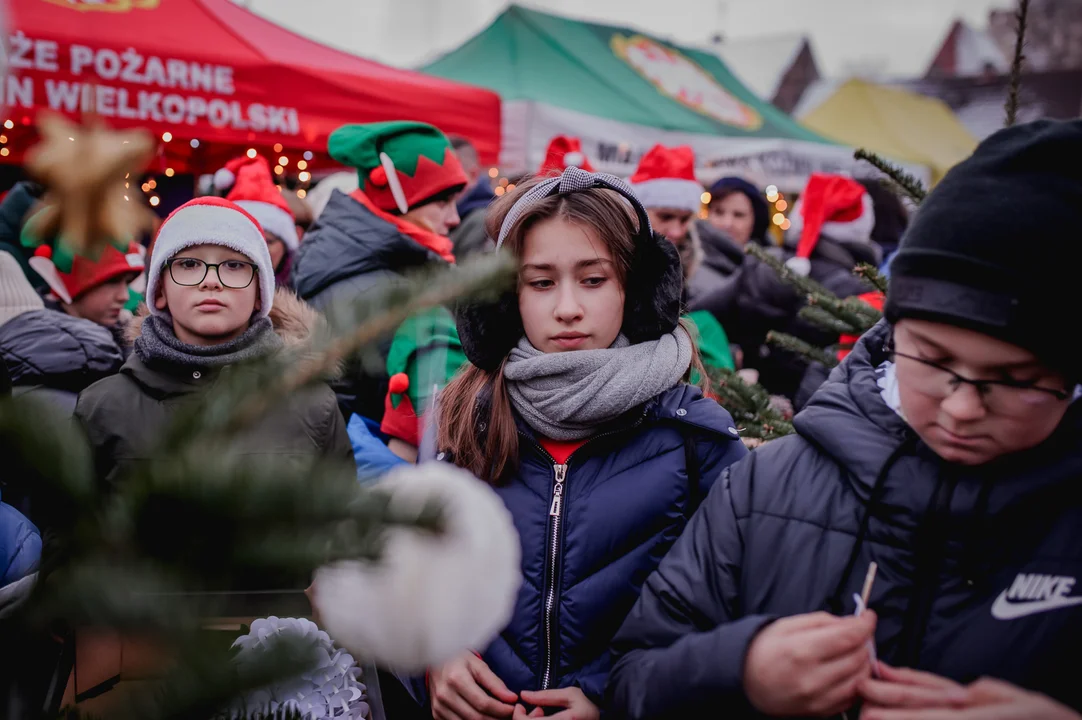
x: 627, y: 496
x: 713, y: 278
x: 20, y: 545
x: 126, y: 415
x: 52, y: 353
x: 765, y: 302
x: 348, y: 252
x: 470, y: 237
x: 977, y: 566
x: 14, y: 209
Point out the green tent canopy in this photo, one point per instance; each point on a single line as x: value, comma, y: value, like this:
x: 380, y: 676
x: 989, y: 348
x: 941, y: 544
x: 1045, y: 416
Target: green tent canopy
x: 622, y: 91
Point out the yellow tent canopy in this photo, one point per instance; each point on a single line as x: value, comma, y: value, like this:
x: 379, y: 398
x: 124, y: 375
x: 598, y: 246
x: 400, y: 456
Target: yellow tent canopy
x: 895, y: 123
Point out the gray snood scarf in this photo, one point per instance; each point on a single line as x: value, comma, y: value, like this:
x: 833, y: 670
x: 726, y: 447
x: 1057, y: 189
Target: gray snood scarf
x: 157, y: 344
x: 566, y: 395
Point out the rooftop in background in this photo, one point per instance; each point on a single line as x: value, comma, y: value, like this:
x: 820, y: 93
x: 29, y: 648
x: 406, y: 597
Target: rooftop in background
x: 967, y: 52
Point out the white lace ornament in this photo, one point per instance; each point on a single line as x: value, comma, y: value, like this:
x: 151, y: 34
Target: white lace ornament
x: 331, y: 690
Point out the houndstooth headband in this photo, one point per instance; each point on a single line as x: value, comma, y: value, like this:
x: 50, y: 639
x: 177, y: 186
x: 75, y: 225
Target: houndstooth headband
x: 573, y: 180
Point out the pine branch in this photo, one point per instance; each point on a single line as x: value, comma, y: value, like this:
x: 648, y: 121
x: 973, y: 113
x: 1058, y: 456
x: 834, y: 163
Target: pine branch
x: 819, y: 317
x: 247, y: 396
x: 804, y: 285
x: 798, y: 347
x: 871, y: 274
x: 903, y: 180
x: 749, y: 404
x: 858, y: 315
x: 1017, y: 62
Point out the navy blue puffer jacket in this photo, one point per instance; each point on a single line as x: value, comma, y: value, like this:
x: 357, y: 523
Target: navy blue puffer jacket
x: 979, y: 567
x: 627, y: 496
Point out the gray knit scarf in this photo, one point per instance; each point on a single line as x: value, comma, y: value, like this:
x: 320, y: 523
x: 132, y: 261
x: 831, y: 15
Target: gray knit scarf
x: 566, y: 395
x: 157, y: 344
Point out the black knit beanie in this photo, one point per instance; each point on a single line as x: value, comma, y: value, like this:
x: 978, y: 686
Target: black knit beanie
x: 996, y: 247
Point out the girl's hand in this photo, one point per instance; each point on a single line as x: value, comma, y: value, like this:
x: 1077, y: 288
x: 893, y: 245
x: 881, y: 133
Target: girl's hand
x: 809, y: 664
x: 904, y: 688
x: 466, y: 689
x: 577, y: 705
x: 985, y: 699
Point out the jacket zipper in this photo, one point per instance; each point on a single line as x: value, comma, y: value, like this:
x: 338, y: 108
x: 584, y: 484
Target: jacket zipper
x: 556, y: 512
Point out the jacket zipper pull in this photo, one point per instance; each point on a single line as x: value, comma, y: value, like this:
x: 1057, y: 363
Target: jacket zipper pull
x: 558, y: 490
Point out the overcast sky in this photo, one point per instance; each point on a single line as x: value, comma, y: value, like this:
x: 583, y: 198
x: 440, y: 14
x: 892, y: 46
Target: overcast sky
x: 894, y: 37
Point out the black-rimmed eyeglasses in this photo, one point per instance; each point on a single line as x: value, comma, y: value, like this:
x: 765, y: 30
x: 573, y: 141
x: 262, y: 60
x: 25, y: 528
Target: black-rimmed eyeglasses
x: 233, y: 274
x: 999, y: 396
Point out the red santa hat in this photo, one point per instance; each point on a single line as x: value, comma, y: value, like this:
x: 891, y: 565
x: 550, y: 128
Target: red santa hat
x: 564, y: 152
x: 665, y: 178
x: 250, y: 186
x: 832, y: 205
x: 211, y: 221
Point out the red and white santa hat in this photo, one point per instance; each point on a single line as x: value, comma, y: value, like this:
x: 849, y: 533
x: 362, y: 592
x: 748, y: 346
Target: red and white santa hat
x: 564, y: 152
x: 832, y: 205
x: 250, y: 186
x: 665, y: 178
x: 211, y: 221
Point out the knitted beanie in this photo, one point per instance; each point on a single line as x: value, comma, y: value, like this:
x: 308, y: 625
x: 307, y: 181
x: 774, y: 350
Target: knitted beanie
x: 251, y: 187
x: 16, y: 293
x: 665, y: 178
x: 994, y: 247
x: 400, y: 165
x: 211, y: 221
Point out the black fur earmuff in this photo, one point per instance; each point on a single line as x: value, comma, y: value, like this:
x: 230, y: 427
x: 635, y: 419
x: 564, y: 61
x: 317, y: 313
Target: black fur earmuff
x: 490, y: 330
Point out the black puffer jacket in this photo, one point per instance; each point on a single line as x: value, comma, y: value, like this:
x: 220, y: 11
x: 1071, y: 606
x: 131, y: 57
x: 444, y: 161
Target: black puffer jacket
x: 978, y: 567
x: 714, y: 281
x: 765, y: 302
x: 348, y: 252
x: 53, y: 353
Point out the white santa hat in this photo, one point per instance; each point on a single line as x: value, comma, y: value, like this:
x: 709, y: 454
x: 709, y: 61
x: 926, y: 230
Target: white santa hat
x: 211, y: 221
x: 665, y: 178
x: 832, y: 205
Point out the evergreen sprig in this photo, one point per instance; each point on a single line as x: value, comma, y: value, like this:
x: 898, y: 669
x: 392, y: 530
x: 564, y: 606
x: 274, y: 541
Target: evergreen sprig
x: 799, y: 347
x: 911, y: 186
x: 1017, y: 62
x: 750, y: 406
x: 871, y: 274
x: 804, y: 285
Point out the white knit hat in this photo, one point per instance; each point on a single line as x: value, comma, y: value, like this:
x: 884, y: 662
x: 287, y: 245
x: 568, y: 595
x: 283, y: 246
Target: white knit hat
x: 16, y: 293
x: 212, y: 221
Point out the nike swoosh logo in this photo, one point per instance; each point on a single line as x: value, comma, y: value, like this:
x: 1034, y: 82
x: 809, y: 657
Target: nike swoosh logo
x: 1004, y: 609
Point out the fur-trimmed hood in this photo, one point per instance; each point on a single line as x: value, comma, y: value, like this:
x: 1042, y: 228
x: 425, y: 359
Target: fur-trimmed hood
x: 294, y: 320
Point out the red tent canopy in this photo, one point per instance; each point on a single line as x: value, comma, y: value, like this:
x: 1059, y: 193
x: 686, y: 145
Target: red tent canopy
x: 215, y: 77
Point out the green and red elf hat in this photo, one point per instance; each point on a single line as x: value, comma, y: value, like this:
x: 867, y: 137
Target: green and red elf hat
x: 70, y: 273
x: 400, y: 165
x: 425, y: 354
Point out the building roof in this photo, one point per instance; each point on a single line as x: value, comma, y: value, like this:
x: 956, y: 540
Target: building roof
x: 761, y: 62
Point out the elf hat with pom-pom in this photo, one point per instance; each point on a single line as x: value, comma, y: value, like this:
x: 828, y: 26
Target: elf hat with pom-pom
x: 564, y: 152
x: 832, y: 205
x: 211, y: 221
x: 665, y: 178
x: 400, y: 165
x: 70, y: 273
x: 250, y: 186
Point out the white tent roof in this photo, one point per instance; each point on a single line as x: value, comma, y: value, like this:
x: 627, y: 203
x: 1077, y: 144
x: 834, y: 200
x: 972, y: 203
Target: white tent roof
x: 760, y: 62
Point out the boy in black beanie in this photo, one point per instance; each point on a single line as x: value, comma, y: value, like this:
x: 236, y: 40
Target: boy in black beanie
x: 947, y: 450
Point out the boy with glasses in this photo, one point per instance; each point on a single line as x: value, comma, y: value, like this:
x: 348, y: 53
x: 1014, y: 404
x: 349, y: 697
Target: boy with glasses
x: 946, y: 450
x: 211, y: 304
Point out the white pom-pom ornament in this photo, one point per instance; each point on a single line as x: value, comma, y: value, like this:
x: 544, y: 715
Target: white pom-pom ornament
x: 799, y: 266
x: 224, y: 179
x: 430, y: 597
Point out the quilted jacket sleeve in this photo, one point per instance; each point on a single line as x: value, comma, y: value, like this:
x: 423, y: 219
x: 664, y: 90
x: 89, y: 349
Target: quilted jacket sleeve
x: 680, y: 653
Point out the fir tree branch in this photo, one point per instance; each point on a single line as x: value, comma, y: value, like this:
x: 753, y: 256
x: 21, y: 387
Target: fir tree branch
x: 1017, y: 62
x: 819, y: 317
x: 749, y: 404
x: 804, y: 285
x: 870, y: 273
x: 798, y: 347
x: 251, y: 393
x: 858, y: 315
x: 903, y: 180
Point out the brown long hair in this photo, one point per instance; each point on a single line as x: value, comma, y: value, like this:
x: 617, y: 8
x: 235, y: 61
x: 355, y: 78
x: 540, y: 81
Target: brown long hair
x: 476, y: 423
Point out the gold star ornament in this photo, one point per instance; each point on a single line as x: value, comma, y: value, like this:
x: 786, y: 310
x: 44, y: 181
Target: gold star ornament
x: 83, y: 168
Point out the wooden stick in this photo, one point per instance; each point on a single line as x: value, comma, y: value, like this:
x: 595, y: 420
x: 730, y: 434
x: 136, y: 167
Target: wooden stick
x: 869, y: 580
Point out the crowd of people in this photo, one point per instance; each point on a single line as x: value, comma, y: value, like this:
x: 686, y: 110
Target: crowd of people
x: 668, y: 570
